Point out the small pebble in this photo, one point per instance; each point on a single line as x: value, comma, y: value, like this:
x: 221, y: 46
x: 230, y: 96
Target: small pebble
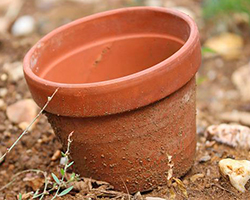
x: 2, y: 128
x: 4, y: 77
x: 7, y: 134
x: 24, y: 125
x: 186, y: 182
x: 205, y: 159
x: 138, y: 196
x: 2, y: 104
x: 196, y: 176
x: 3, y: 92
x: 56, y: 155
x: 23, y: 26
x: 209, y: 144
x: 14, y: 70
x: 208, y: 172
x: 22, y: 111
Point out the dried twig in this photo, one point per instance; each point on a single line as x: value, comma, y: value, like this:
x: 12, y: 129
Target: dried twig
x: 224, y: 189
x: 27, y: 129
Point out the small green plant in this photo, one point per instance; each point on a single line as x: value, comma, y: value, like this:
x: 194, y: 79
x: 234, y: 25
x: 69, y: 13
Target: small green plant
x: 57, y: 184
x: 60, y: 183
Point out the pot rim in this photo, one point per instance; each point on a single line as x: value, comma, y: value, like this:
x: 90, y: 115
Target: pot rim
x: 185, y: 48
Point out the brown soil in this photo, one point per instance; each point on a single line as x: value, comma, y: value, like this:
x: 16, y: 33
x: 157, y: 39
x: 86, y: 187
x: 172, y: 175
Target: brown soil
x: 35, y: 150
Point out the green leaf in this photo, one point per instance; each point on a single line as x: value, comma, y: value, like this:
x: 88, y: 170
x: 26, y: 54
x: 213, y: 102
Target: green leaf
x: 62, y: 172
x: 20, y: 196
x: 205, y: 50
x: 66, y: 191
x: 70, y: 164
x: 36, y: 195
x: 72, y: 177
x: 63, y: 154
x: 55, y: 178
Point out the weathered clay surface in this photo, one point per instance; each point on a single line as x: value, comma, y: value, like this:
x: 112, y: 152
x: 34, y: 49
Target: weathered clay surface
x: 133, y: 146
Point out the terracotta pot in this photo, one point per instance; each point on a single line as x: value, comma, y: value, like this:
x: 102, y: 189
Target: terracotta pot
x: 127, y: 90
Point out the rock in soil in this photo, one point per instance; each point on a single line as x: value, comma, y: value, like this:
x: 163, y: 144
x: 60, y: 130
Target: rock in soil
x: 196, y: 176
x: 23, y: 26
x: 22, y: 111
x: 228, y: 45
x: 241, y: 80
x: 205, y: 158
x: 232, y: 135
x: 56, y: 155
x: 238, y: 172
x: 14, y: 70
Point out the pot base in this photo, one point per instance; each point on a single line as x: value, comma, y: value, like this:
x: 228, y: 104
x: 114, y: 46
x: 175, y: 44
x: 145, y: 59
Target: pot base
x: 131, y: 148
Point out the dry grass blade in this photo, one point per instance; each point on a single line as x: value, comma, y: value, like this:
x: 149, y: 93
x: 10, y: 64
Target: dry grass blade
x: 181, y: 187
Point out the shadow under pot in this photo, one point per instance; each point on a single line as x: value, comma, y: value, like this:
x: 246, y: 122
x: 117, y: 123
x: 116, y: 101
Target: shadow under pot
x: 126, y: 82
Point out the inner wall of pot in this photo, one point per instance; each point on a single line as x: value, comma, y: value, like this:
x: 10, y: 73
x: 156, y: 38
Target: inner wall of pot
x: 109, y: 47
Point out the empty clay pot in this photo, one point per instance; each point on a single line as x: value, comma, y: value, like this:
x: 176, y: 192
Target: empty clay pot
x: 126, y: 89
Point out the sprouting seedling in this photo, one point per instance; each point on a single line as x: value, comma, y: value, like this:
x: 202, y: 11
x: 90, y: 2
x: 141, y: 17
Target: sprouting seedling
x: 59, y: 183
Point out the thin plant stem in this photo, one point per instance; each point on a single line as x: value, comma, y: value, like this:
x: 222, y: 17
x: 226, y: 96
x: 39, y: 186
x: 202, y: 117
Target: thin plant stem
x: 27, y: 129
x: 66, y: 164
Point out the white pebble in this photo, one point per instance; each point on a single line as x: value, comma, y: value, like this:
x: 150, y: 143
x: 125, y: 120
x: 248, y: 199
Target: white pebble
x: 4, y: 77
x: 238, y: 172
x: 23, y: 26
x: 3, y: 92
x: 154, y: 3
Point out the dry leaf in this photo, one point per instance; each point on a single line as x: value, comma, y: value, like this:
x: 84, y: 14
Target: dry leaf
x: 181, y: 187
x: 34, y: 182
x: 172, y: 193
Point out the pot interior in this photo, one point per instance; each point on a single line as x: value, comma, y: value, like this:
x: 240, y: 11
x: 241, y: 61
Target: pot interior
x: 108, y: 47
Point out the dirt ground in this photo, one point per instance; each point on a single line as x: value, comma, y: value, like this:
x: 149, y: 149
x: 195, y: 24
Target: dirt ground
x: 216, y: 94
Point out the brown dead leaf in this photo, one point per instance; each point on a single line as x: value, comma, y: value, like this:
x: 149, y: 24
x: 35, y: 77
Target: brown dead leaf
x: 34, y: 182
x: 172, y: 193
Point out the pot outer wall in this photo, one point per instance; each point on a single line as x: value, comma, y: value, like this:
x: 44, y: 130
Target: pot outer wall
x: 131, y: 148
